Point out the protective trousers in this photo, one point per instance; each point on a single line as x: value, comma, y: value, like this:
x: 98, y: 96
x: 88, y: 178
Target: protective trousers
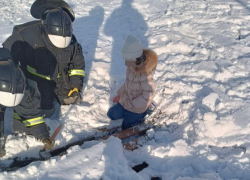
x: 2, y: 122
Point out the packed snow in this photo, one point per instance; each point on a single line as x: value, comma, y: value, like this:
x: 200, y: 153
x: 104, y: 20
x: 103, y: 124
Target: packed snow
x: 202, y: 81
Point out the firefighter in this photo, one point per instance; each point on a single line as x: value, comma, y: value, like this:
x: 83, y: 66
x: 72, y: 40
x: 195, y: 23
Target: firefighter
x: 22, y: 94
x: 49, y: 54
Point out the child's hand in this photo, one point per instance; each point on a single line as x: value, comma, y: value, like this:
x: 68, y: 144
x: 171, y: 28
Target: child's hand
x: 116, y: 99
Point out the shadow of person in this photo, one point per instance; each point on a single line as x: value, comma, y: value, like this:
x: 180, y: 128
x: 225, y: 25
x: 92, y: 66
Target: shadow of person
x: 123, y: 21
x: 87, y: 31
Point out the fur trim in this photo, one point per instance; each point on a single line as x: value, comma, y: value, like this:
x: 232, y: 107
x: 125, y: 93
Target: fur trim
x: 149, y: 64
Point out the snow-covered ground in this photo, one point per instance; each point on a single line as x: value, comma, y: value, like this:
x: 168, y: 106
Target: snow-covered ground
x: 202, y: 81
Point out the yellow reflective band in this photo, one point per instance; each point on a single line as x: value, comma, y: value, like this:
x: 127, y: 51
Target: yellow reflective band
x: 34, y: 121
x: 16, y: 116
x: 75, y: 72
x: 33, y: 71
x: 59, y: 75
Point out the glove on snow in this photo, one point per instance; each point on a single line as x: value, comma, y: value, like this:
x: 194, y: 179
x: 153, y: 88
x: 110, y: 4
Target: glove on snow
x: 48, y: 144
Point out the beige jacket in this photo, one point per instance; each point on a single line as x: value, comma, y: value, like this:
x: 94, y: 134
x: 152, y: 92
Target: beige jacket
x: 137, y: 93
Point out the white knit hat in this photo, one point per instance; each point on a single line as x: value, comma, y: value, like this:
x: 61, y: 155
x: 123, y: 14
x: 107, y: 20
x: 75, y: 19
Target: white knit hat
x: 132, y: 48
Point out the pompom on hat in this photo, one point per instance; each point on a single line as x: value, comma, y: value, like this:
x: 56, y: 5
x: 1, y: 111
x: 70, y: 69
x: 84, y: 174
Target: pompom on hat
x: 132, y: 48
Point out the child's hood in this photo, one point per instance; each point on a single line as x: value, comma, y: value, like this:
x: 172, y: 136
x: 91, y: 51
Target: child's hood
x: 149, y: 64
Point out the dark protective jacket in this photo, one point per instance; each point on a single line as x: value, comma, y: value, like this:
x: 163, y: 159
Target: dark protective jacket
x: 54, y: 69
x: 28, y: 114
x: 2, y: 110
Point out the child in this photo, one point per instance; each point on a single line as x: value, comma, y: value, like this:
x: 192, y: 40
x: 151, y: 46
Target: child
x: 137, y: 93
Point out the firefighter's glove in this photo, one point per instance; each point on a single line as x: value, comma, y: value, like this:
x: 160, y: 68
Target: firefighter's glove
x: 73, y: 93
x: 48, y: 144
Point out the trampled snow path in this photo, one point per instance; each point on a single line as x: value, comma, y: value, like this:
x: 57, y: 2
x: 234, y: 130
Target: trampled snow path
x: 202, y: 85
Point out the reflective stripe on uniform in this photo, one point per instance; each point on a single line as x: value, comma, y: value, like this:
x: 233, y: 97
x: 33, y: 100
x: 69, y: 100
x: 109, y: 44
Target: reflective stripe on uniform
x: 59, y: 75
x: 78, y: 72
x: 29, y: 122
x: 33, y: 71
x: 34, y: 121
x: 16, y: 116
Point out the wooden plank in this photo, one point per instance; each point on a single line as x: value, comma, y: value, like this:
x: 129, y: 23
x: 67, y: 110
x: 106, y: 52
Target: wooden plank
x: 129, y: 132
x: 131, y: 145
